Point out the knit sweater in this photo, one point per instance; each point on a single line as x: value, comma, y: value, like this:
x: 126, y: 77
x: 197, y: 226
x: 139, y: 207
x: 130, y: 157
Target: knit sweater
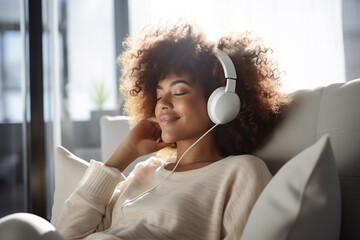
x: 212, y: 202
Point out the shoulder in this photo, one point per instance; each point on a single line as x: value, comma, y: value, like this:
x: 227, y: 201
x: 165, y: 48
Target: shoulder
x: 247, y: 166
x: 248, y: 162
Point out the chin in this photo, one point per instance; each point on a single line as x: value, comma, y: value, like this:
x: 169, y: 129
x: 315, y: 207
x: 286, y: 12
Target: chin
x: 169, y: 138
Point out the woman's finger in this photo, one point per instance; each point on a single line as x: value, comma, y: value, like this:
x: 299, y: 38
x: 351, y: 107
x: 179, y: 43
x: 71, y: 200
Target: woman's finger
x: 162, y: 145
x: 152, y: 119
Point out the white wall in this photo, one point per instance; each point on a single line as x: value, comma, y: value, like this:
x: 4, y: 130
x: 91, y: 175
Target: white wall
x: 305, y: 35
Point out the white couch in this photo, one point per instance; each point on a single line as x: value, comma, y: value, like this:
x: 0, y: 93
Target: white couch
x: 333, y: 111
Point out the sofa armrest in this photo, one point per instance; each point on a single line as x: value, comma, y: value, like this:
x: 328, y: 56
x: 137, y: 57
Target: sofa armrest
x: 69, y: 170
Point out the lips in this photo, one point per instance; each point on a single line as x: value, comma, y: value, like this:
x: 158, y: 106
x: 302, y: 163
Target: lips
x: 167, y: 119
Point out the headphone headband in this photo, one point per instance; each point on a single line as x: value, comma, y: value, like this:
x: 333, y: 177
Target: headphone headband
x: 227, y: 64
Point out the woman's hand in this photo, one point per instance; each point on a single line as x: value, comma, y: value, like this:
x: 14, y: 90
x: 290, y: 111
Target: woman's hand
x: 143, y: 139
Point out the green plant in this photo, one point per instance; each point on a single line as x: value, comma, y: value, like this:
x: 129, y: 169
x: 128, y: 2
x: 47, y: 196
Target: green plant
x: 100, y: 95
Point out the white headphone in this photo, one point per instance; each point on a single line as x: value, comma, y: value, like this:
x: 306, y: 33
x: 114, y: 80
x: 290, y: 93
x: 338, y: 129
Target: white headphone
x: 224, y: 104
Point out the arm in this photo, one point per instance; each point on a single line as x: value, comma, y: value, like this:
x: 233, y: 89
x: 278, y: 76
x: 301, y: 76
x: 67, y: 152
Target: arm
x: 248, y: 185
x: 89, y: 208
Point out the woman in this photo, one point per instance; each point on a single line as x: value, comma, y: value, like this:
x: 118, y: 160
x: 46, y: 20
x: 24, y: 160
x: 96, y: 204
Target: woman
x: 168, y: 75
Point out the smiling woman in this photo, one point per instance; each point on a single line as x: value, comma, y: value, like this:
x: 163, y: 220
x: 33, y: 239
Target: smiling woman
x: 207, y: 190
x: 205, y: 184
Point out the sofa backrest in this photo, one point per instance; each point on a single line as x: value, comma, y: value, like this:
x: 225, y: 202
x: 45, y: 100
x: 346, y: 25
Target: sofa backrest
x: 334, y: 109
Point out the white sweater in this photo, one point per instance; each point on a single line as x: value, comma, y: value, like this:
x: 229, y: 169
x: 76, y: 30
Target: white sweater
x: 212, y: 202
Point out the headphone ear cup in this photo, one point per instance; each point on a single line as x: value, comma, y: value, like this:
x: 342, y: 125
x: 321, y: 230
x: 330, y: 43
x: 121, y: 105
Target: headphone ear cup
x: 222, y: 106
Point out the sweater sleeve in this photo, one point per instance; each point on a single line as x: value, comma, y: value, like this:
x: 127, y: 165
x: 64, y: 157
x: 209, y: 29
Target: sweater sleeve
x: 248, y: 185
x: 89, y: 207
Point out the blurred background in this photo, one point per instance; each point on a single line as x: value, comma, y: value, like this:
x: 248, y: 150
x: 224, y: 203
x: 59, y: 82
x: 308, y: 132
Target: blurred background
x: 58, y: 73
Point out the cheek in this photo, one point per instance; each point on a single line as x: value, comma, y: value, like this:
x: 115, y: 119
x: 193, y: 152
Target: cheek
x: 194, y: 109
x: 186, y: 107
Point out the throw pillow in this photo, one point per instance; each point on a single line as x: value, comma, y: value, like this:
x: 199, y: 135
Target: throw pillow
x: 302, y: 201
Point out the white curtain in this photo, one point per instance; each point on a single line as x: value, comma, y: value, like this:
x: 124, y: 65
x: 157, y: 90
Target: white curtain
x: 306, y: 35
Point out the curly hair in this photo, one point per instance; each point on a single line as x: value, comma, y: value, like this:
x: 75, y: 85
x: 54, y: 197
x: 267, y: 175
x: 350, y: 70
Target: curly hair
x: 181, y: 48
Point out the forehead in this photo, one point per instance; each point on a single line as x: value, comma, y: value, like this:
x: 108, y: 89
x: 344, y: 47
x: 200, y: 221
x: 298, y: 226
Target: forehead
x: 171, y: 80
x: 172, y: 77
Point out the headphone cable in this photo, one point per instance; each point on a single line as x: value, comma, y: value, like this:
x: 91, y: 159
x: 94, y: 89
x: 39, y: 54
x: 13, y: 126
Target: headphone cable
x: 153, y: 188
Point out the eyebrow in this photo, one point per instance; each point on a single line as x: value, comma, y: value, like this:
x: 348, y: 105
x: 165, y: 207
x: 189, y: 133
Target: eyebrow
x: 176, y: 82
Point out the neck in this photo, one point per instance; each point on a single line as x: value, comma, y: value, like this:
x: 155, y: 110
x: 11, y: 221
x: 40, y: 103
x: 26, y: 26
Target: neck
x: 206, y: 150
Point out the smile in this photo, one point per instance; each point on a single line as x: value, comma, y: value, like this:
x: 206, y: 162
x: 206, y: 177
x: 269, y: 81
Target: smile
x: 166, y: 119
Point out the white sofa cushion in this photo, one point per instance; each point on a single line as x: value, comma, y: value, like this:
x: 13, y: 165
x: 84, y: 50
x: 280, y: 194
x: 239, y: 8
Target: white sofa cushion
x: 69, y: 170
x: 302, y: 201
x: 333, y: 110
x: 113, y: 132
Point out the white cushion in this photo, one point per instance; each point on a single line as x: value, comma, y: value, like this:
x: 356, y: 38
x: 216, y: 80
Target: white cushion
x: 332, y: 110
x: 69, y: 170
x: 113, y: 132
x: 302, y: 201
x: 27, y: 226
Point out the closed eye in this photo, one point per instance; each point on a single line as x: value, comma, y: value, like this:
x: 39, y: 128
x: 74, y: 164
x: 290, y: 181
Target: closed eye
x: 180, y: 94
x: 175, y: 94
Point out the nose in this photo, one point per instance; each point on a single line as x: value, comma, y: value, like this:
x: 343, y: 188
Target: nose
x: 165, y: 102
